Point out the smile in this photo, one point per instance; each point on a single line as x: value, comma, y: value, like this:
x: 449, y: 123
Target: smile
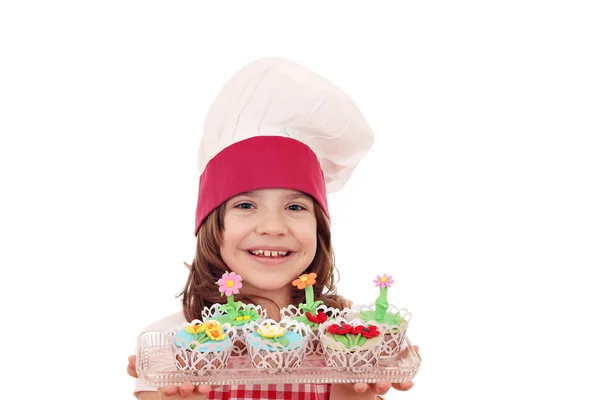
x: 269, y: 253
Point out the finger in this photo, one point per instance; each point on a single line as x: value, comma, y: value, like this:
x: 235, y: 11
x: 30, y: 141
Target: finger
x: 416, y: 348
x: 186, y: 388
x: 131, y: 371
x: 406, y: 351
x: 403, y: 386
x: 169, y: 391
x: 381, y: 387
x: 360, y: 387
x: 204, y: 389
x: 131, y: 367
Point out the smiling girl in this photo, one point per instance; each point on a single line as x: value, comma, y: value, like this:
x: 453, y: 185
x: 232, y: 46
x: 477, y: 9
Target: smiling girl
x: 276, y: 139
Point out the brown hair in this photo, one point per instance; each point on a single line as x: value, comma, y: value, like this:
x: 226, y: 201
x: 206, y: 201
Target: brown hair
x: 207, y: 268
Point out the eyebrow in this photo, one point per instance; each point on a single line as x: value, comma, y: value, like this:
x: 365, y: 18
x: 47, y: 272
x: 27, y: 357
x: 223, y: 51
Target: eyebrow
x: 299, y: 195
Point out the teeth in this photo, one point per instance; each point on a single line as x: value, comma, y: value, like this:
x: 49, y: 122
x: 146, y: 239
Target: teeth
x: 269, y: 253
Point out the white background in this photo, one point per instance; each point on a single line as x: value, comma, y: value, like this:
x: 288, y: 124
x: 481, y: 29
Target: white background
x: 480, y: 194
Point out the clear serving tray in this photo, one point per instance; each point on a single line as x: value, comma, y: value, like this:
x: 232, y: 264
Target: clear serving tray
x: 156, y: 366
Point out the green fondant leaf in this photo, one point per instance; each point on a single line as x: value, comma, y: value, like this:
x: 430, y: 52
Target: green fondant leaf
x: 317, y: 304
x: 367, y: 315
x: 361, y: 340
x: 343, y: 340
x: 311, y: 308
x: 304, y: 307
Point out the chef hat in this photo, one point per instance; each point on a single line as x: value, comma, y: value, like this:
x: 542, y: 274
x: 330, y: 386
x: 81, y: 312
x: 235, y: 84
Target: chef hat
x: 276, y: 124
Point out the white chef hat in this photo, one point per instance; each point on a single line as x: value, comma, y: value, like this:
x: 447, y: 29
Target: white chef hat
x: 279, y: 125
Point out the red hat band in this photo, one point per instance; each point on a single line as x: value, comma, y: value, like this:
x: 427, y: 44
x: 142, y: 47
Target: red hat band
x: 261, y: 162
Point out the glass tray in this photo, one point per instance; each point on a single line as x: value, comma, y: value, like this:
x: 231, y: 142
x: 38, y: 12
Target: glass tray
x: 156, y: 366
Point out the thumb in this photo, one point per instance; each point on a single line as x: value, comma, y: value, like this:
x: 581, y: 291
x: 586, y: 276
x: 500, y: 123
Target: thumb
x: 131, y: 367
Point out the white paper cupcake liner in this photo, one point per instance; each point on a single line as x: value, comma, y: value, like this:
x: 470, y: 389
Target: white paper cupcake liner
x: 215, y: 355
x: 313, y: 347
x: 281, y: 357
x: 354, y: 359
x: 393, y: 335
x: 238, y: 339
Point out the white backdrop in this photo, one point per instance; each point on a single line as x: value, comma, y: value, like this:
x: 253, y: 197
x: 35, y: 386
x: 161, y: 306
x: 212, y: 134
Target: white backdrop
x: 480, y: 194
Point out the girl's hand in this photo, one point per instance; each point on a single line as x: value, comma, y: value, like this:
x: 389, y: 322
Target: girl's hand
x: 186, y: 390
x: 131, y: 367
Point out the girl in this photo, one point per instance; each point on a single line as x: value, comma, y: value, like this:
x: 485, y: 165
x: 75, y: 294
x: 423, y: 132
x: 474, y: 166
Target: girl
x: 275, y: 140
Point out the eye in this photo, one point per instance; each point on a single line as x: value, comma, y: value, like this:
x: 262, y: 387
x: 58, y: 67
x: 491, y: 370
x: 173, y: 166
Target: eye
x: 296, y: 207
x: 244, y: 206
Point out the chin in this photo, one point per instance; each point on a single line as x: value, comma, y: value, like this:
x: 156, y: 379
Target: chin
x: 270, y: 283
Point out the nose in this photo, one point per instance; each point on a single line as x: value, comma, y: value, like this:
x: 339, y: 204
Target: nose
x: 271, y: 223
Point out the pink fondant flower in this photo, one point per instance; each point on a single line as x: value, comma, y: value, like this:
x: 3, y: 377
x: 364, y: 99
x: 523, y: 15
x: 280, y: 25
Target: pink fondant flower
x: 384, y: 281
x: 230, y: 283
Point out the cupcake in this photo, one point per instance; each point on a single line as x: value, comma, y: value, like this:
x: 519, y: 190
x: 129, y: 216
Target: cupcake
x: 235, y: 313
x: 202, y: 346
x: 350, y: 344
x: 393, y: 321
x: 274, y: 344
x: 312, y: 313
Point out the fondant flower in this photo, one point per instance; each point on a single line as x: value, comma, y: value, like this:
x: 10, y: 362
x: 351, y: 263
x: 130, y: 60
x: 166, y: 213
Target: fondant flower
x: 340, y: 329
x: 211, y: 324
x: 367, y: 331
x: 271, y: 331
x: 384, y: 281
x: 305, y: 280
x: 318, y: 319
x: 215, y: 332
x: 230, y: 283
x: 195, y: 328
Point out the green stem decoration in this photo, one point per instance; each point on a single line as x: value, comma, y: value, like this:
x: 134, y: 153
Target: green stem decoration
x: 310, y: 296
x: 381, y: 305
x: 204, y: 339
x: 231, y: 304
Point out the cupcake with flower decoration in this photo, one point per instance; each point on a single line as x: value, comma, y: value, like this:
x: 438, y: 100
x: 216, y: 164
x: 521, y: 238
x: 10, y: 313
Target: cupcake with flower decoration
x: 235, y: 313
x: 393, y: 321
x: 350, y: 344
x: 311, y: 313
x: 202, y: 346
x: 280, y: 344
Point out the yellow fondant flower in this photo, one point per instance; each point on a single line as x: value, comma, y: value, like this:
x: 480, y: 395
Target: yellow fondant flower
x: 271, y: 331
x: 216, y: 333
x: 211, y: 324
x: 195, y: 328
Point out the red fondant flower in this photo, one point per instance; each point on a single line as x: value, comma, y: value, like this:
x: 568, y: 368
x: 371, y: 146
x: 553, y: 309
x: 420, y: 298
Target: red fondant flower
x: 340, y: 330
x: 318, y: 319
x: 367, y: 331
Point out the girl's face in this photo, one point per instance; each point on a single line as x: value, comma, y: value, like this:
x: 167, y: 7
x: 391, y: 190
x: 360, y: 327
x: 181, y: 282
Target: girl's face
x: 269, y: 238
